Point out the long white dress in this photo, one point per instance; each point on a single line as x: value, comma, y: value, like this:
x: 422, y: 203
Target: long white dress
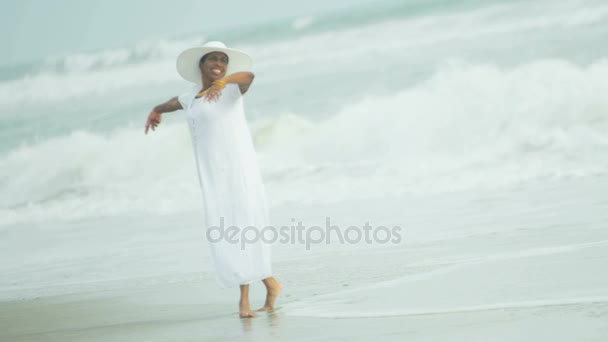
x: 231, y: 185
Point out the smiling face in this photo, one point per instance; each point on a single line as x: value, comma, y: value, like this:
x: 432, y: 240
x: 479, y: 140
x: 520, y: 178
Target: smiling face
x: 213, y: 65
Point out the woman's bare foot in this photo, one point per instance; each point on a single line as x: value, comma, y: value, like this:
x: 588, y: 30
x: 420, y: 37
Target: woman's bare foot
x: 245, y: 310
x: 273, y: 289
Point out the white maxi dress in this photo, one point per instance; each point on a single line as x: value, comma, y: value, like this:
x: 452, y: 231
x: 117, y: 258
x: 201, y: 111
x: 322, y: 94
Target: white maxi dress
x: 231, y: 185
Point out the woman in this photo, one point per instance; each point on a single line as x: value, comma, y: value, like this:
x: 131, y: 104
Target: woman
x: 228, y: 173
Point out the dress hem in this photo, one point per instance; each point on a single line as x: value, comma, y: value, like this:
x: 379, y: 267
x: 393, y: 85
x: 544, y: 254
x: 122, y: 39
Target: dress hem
x: 247, y: 282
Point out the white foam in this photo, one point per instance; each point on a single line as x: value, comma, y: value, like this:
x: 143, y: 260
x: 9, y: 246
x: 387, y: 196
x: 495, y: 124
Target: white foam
x: 302, y: 22
x: 456, y: 310
x: 520, y: 279
x: 468, y: 126
x: 78, y: 75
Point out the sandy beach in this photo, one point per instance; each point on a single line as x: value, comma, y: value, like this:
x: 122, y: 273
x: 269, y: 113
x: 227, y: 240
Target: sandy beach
x: 490, y: 267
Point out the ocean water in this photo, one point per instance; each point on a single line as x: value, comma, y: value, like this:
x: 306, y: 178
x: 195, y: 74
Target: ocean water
x: 394, y: 97
x: 393, y: 100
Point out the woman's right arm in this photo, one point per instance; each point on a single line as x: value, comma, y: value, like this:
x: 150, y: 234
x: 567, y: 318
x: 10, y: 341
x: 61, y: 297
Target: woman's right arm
x: 155, y: 115
x: 170, y: 106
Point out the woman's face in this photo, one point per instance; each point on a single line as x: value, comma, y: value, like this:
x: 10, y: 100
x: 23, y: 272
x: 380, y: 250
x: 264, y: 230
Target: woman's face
x: 215, y: 65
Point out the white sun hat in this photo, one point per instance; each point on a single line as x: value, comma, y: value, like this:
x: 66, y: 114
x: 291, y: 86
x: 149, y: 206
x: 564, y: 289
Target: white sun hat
x: 187, y: 61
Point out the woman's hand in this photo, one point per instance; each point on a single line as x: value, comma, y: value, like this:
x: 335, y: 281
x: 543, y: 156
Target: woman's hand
x: 155, y: 116
x: 153, y: 120
x: 213, y: 93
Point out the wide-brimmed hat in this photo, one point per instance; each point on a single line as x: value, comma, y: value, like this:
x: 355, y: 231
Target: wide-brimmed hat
x: 187, y: 61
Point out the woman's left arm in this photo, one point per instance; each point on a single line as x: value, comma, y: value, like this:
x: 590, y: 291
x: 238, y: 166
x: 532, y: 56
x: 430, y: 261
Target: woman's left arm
x: 242, y: 78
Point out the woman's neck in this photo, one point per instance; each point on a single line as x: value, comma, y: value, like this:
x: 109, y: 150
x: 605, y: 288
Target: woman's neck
x: 207, y: 83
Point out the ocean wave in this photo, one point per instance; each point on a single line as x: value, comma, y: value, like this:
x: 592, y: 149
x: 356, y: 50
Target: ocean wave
x: 142, y: 52
x: 302, y: 22
x: 80, y: 75
x: 468, y: 126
